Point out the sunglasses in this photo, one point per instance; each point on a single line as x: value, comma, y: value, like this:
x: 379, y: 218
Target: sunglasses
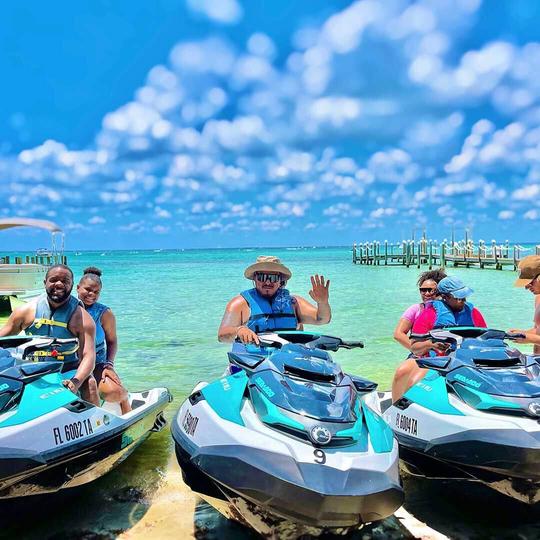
x: 272, y: 278
x: 426, y: 290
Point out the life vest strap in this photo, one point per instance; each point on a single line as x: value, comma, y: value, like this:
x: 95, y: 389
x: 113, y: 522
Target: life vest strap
x: 38, y: 323
x: 54, y: 354
x: 271, y: 316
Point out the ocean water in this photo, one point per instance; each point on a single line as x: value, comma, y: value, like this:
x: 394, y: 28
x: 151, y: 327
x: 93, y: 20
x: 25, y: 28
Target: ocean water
x: 168, y: 306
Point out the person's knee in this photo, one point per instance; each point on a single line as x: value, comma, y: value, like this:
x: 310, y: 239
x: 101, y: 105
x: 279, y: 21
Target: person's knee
x: 417, y: 376
x: 404, y: 369
x: 112, y: 392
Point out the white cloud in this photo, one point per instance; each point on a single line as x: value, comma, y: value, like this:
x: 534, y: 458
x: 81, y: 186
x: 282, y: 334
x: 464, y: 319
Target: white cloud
x: 220, y: 11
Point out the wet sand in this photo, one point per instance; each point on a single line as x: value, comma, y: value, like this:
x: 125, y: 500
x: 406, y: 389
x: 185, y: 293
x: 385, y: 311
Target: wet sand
x: 130, y: 505
x: 463, y: 511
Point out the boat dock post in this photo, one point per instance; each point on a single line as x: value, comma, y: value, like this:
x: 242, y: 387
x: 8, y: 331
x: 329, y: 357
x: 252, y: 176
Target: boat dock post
x: 428, y: 252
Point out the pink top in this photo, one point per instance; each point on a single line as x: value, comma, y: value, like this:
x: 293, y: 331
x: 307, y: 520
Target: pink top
x: 412, y: 313
x: 426, y: 322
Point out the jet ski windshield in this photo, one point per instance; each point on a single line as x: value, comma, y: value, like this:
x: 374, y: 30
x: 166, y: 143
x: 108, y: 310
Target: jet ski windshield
x: 319, y: 400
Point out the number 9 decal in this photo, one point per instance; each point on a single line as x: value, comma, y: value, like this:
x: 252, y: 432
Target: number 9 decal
x: 320, y: 456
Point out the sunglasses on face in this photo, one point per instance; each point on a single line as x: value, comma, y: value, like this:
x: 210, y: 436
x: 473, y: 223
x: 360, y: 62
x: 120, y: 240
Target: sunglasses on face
x: 272, y: 278
x: 427, y: 290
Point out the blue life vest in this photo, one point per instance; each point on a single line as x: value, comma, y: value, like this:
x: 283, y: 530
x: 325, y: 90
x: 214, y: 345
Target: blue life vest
x: 446, y: 317
x: 96, y: 310
x: 55, y: 324
x: 266, y: 314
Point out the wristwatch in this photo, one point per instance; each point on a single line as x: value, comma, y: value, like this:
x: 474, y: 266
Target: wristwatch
x: 76, y: 382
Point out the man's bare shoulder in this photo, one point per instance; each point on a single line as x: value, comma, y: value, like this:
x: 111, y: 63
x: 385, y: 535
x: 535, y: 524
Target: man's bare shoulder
x: 237, y: 303
x: 25, y: 311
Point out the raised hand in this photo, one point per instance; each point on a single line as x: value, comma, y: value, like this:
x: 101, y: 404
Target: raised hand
x: 319, y: 289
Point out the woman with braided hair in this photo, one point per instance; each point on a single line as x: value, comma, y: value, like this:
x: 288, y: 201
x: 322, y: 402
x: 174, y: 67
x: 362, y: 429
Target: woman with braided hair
x: 110, y: 386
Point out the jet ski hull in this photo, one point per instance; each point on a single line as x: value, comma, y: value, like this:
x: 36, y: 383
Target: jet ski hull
x: 501, y: 451
x: 75, y: 444
x: 274, y: 483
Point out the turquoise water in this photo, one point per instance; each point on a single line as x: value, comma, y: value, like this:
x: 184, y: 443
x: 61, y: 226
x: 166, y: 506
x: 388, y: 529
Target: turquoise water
x: 168, y: 307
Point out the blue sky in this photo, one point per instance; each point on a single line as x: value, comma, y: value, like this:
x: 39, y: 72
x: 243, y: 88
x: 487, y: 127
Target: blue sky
x: 202, y: 123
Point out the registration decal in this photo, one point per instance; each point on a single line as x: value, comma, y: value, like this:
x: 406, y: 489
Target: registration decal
x: 72, y: 432
x: 189, y: 423
x: 407, y: 424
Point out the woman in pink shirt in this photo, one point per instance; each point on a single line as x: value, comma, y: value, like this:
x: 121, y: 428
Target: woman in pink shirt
x: 450, y: 311
x: 427, y: 286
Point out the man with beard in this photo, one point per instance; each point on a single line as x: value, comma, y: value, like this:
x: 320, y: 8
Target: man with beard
x: 269, y: 306
x: 58, y: 314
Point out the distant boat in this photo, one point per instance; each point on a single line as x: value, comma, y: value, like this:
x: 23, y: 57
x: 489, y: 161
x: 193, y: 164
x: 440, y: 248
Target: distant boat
x: 22, y: 278
x: 43, y: 252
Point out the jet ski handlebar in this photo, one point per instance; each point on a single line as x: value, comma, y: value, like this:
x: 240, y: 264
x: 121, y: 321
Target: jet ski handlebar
x: 456, y: 336
x: 325, y: 343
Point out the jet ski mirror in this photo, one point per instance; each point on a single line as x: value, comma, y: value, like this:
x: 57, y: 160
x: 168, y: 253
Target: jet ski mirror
x: 438, y: 363
x: 251, y: 361
x: 363, y: 385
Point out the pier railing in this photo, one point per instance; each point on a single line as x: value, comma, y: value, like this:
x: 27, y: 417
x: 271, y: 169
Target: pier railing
x: 45, y: 260
x: 429, y: 252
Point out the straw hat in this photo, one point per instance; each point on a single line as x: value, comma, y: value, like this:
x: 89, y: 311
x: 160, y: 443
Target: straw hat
x: 529, y: 268
x: 267, y: 263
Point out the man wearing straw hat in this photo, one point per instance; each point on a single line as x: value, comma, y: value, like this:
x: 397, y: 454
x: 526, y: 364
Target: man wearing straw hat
x: 269, y: 306
x: 529, y: 277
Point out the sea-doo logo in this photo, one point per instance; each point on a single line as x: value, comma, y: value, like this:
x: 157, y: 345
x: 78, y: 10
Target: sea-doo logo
x: 534, y: 408
x: 264, y: 387
x: 466, y: 380
x: 320, y: 435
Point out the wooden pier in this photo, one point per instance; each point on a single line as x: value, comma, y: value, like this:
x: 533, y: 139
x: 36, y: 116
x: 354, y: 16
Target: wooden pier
x: 45, y: 260
x: 429, y: 252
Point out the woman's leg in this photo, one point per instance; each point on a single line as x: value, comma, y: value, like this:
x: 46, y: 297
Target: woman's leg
x: 406, y: 376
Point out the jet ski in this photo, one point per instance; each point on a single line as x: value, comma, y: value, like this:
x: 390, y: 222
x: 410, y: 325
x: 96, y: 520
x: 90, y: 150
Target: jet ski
x: 50, y: 438
x: 289, y: 444
x: 475, y: 415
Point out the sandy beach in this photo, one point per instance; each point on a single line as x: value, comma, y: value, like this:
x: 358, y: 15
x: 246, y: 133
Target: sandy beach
x: 432, y: 511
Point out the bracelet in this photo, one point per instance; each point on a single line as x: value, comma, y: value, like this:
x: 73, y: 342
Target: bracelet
x: 238, y: 330
x: 75, y: 381
x: 108, y: 365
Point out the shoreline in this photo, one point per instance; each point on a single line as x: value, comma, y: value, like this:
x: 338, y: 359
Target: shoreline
x: 433, y: 510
